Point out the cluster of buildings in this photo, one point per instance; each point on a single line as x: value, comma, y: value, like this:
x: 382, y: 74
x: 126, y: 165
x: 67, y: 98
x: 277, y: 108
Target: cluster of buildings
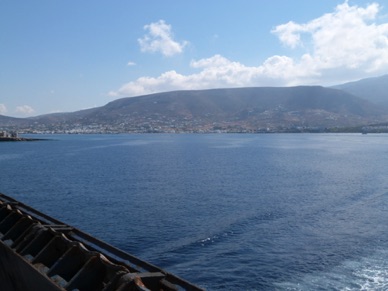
x: 8, y: 134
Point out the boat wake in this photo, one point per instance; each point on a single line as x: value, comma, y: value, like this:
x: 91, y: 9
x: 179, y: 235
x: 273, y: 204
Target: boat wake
x: 367, y: 273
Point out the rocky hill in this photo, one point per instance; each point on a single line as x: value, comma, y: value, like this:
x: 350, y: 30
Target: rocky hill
x: 374, y: 90
x: 229, y: 110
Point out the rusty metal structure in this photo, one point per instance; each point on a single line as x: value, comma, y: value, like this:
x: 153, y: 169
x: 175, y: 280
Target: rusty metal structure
x: 38, y: 252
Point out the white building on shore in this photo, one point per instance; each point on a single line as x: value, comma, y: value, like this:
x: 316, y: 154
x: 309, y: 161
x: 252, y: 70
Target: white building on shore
x: 10, y: 134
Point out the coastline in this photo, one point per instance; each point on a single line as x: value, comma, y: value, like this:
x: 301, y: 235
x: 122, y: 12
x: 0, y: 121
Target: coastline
x: 19, y: 139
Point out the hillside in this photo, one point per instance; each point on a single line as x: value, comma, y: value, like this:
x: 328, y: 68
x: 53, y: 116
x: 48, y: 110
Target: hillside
x: 230, y: 110
x: 6, y: 121
x: 374, y: 90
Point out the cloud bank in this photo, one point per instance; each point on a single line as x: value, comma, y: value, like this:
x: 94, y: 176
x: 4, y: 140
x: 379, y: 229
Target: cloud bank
x: 24, y: 110
x: 337, y: 47
x: 348, y: 38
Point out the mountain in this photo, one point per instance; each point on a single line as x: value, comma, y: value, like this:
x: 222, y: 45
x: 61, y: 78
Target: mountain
x: 6, y: 121
x: 372, y: 89
x: 230, y: 110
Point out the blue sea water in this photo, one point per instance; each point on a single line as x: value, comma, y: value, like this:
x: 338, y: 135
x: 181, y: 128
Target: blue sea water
x: 226, y: 212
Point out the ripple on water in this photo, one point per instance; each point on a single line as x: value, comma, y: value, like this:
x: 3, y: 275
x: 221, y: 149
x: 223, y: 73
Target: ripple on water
x: 368, y: 273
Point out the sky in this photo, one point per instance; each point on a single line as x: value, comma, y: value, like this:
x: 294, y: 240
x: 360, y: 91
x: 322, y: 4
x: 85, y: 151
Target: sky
x: 63, y: 56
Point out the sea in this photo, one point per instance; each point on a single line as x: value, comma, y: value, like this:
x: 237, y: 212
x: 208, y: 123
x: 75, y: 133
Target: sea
x: 223, y: 211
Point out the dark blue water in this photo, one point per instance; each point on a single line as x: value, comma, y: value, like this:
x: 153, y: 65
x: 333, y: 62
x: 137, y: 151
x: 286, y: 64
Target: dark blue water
x: 227, y: 212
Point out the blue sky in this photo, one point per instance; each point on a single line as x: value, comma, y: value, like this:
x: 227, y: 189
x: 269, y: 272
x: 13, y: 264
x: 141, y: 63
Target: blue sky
x: 60, y: 56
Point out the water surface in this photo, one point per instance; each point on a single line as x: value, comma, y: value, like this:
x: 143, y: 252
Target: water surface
x: 227, y: 212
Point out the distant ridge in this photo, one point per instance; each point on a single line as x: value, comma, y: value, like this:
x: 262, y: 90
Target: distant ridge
x: 252, y: 109
x: 374, y: 90
x: 11, y: 121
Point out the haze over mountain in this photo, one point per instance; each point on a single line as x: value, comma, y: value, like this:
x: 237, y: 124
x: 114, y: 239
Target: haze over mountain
x: 372, y: 89
x: 231, y: 110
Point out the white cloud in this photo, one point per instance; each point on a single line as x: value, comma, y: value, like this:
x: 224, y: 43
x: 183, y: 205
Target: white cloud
x: 130, y: 64
x: 3, y: 109
x: 24, y: 109
x: 336, y: 47
x: 287, y: 33
x: 347, y: 39
x: 160, y: 39
x: 215, y: 72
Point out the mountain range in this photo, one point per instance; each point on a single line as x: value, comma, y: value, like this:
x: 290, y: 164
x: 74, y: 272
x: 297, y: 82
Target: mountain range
x: 374, y: 90
x: 255, y: 109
